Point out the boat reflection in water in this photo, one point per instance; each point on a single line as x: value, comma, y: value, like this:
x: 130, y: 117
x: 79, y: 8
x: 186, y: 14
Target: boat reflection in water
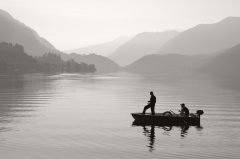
x: 149, y: 131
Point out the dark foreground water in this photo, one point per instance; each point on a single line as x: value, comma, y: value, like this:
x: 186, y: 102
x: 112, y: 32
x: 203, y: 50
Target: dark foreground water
x: 88, y: 117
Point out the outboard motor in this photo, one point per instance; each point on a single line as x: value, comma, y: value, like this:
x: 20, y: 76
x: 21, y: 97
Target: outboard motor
x: 199, y: 112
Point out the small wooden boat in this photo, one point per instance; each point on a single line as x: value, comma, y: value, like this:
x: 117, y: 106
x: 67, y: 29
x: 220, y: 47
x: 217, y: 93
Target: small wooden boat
x: 167, y: 118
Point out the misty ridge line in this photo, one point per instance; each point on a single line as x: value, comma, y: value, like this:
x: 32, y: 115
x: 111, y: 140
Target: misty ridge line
x: 15, y: 32
x: 168, y: 52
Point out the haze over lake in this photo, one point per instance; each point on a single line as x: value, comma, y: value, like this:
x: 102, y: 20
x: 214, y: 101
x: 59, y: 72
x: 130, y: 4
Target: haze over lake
x: 76, y: 77
x: 88, y: 116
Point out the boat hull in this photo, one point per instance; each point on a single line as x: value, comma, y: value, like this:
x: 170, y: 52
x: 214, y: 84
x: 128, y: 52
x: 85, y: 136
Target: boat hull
x: 160, y: 119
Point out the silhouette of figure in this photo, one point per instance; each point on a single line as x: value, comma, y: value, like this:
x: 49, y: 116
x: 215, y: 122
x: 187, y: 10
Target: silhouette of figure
x: 151, y: 136
x: 184, y: 111
x: 151, y: 104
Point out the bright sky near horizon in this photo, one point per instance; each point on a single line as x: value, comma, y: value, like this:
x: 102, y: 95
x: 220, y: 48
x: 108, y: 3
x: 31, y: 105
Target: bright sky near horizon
x: 70, y: 24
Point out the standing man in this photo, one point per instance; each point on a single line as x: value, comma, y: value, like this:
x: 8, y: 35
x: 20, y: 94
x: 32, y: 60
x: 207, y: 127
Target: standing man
x: 151, y: 104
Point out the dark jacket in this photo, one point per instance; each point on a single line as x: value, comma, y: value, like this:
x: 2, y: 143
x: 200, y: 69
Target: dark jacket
x: 185, y: 111
x: 152, y: 99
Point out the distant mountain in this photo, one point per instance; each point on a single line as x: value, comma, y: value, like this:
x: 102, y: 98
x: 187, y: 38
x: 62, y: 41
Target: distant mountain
x: 142, y: 44
x: 205, y: 38
x: 168, y: 64
x: 102, y: 64
x: 13, y: 31
x: 104, y: 49
x: 225, y: 65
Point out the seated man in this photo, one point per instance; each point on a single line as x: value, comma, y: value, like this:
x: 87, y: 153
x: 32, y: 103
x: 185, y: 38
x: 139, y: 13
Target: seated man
x: 151, y: 104
x: 184, y: 111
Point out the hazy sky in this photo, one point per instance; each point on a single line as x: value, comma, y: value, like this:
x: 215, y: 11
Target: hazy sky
x: 70, y: 24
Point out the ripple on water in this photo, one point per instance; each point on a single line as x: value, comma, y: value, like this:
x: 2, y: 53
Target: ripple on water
x: 88, y: 116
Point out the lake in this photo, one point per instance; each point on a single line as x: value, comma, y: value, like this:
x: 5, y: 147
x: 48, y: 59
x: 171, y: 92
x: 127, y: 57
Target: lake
x: 70, y: 116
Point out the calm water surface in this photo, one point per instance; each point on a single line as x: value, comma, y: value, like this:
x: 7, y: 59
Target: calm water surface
x: 71, y: 116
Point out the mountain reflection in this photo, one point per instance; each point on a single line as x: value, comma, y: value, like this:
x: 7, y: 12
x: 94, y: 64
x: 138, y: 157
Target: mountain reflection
x: 150, y: 131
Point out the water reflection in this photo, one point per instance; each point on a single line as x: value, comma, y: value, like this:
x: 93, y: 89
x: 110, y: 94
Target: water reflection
x: 184, y: 130
x: 150, y: 134
x: 19, y: 97
x: 150, y: 131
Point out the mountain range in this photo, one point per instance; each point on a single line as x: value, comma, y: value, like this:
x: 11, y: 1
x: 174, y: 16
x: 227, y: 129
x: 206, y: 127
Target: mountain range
x: 177, y: 53
x: 13, y: 31
x: 104, y: 49
x: 142, y: 44
x: 168, y: 64
x: 226, y: 64
x: 205, y: 38
x: 223, y: 65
